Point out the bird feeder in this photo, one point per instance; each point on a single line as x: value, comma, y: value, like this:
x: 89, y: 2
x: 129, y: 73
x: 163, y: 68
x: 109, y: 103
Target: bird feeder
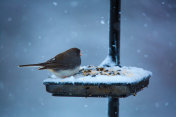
x: 107, y: 80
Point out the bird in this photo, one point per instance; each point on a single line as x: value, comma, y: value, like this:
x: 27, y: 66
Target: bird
x: 62, y: 65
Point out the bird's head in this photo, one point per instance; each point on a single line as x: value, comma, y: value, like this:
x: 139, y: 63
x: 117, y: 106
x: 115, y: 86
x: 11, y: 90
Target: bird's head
x: 74, y: 51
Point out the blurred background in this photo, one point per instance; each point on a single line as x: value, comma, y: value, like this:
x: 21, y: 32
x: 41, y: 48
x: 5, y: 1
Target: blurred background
x: 33, y: 31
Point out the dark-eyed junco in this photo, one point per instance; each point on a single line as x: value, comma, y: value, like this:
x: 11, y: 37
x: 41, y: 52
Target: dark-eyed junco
x: 62, y: 65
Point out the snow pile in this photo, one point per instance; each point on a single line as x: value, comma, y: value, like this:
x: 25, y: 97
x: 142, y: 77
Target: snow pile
x: 114, y: 74
x: 108, y: 61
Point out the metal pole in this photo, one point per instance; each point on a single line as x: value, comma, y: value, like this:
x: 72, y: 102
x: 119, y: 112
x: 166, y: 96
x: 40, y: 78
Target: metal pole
x: 114, y: 34
x: 113, y: 107
x: 114, y: 49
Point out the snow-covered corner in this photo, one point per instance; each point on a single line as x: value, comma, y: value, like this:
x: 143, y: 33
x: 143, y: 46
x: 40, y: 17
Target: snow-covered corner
x: 107, y: 61
x: 105, y: 75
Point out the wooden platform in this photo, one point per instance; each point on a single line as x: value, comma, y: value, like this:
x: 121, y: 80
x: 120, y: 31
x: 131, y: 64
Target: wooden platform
x: 123, y: 82
x: 95, y: 90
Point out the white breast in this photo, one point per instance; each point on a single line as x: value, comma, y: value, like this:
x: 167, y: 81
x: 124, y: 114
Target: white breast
x: 65, y: 73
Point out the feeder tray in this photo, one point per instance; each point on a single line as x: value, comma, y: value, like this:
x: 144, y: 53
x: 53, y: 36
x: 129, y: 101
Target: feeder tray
x: 113, y: 82
x: 93, y: 81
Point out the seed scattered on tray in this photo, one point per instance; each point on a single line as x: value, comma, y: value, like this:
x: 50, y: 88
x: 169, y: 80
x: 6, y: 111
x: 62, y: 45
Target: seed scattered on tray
x: 94, y: 71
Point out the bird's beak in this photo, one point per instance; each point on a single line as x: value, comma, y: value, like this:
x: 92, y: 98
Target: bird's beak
x: 80, y: 54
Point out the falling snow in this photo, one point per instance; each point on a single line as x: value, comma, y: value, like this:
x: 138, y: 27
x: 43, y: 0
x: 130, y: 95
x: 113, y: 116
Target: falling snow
x: 145, y: 25
x: 29, y: 43
x: 85, y: 106
x: 157, y: 105
x: 162, y: 3
x: 138, y: 51
x: 102, y: 22
x: 146, y: 55
x: 1, y: 47
x: 166, y: 104
x: 143, y: 14
x: 65, y: 11
x: 32, y: 32
x: 74, y: 4
x: 39, y: 37
x: 9, y: 19
x: 55, y: 3
x: 1, y: 85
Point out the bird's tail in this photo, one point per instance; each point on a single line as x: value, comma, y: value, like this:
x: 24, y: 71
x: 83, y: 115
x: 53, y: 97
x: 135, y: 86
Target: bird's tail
x: 30, y: 65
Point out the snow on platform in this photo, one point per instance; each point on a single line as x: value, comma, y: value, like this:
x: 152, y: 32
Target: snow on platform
x: 104, y: 75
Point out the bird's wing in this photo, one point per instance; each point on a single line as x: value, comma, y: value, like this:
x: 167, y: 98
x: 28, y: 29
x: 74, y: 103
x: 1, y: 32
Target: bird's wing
x: 53, y: 66
x: 58, y: 62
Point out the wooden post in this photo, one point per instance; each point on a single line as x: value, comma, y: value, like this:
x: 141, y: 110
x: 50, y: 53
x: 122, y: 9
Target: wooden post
x: 114, y: 49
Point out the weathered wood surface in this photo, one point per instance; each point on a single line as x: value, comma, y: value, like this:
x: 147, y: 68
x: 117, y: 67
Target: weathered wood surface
x: 96, y: 90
